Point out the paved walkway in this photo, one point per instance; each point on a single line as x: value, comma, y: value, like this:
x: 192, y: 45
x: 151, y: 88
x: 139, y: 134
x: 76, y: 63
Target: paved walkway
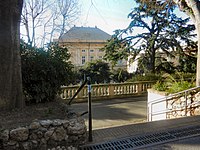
x: 115, y: 112
x: 102, y: 135
x: 150, y: 128
x: 125, y: 118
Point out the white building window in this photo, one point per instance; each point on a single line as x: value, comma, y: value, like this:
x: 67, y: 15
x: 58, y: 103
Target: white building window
x: 91, y: 50
x: 83, y: 50
x: 83, y: 59
x: 100, y: 57
x: 91, y: 58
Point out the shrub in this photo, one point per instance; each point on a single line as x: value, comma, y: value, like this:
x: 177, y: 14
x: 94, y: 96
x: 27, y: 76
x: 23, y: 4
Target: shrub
x: 174, y: 83
x: 98, y: 70
x: 160, y: 86
x: 184, y: 76
x: 180, y: 86
x: 119, y: 75
x: 147, y: 77
x: 43, y: 72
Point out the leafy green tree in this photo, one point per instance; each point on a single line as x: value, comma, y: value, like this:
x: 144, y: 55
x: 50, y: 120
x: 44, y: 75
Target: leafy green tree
x: 162, y: 65
x: 115, y: 50
x: 44, y: 71
x: 99, y: 71
x: 120, y: 75
x: 192, y: 9
x: 188, y: 59
x: 161, y: 31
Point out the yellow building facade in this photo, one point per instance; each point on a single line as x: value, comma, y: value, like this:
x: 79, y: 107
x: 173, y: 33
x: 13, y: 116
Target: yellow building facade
x: 84, y: 45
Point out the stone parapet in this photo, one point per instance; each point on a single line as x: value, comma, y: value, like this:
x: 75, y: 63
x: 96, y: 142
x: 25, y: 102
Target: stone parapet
x: 106, y: 91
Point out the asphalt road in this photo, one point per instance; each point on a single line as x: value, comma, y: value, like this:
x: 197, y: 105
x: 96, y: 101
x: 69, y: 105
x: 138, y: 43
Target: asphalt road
x: 115, y: 112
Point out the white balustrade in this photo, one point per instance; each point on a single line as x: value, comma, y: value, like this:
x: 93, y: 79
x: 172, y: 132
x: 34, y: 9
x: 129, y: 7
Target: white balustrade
x: 107, y: 90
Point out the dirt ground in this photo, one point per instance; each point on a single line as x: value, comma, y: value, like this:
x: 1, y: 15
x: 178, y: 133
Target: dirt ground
x: 22, y: 117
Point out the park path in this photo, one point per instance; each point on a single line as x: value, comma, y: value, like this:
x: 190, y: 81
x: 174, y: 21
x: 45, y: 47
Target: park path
x: 119, y: 120
x: 115, y: 112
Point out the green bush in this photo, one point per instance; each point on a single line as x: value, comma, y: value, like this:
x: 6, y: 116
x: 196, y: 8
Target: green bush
x: 147, y: 77
x: 174, y: 83
x: 184, y: 76
x: 98, y: 70
x: 119, y: 75
x: 160, y: 86
x: 44, y: 71
x: 180, y: 86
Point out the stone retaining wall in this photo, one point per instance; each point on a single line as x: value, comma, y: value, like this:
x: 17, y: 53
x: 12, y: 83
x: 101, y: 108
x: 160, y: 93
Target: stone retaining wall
x: 173, y: 106
x: 184, y: 106
x: 45, y: 134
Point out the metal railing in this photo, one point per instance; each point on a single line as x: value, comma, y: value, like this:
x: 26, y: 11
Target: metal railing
x: 184, y: 103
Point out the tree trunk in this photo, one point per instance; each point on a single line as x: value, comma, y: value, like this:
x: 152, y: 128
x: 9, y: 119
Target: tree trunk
x: 192, y: 9
x: 10, y: 63
x: 152, y: 61
x: 198, y: 56
x: 196, y: 10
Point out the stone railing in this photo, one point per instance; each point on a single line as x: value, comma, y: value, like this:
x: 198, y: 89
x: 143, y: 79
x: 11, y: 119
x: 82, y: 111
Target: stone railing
x: 107, y: 91
x: 45, y: 134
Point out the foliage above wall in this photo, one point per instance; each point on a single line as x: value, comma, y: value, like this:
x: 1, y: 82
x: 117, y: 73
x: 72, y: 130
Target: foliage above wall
x: 145, y: 77
x: 98, y: 71
x: 175, y: 83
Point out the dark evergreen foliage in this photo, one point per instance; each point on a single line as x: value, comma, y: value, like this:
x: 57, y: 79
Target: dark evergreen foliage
x: 98, y: 71
x: 161, y: 31
x: 43, y: 72
x: 120, y: 75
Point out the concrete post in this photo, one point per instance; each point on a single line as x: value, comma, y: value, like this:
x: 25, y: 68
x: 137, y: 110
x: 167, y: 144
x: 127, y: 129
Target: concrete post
x: 111, y: 90
x: 139, y: 88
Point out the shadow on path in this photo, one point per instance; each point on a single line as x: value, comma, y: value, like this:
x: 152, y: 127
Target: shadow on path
x: 115, y: 112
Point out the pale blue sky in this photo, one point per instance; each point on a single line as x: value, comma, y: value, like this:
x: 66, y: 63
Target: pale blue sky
x: 107, y: 15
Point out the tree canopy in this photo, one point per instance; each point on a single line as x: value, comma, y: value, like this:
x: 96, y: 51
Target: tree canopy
x: 98, y: 71
x: 160, y: 30
x: 192, y: 9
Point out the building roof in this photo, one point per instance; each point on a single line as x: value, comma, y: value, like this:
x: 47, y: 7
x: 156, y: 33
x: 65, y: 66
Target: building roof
x: 85, y: 34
